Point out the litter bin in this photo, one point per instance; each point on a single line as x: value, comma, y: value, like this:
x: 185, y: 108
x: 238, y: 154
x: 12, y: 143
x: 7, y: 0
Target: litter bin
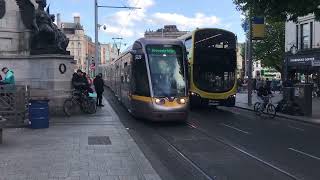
x: 303, y: 97
x: 39, y: 114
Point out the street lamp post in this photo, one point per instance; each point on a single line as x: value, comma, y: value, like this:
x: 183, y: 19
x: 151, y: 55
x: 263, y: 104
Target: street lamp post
x: 250, y: 86
x: 96, y: 37
x: 96, y: 6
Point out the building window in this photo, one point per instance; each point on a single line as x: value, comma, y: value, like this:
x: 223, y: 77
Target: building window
x: 305, y: 36
x: 311, y: 34
x: 297, y: 36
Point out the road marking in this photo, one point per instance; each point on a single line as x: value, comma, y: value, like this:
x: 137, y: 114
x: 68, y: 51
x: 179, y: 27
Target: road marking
x: 192, y: 126
x: 306, y: 154
x: 293, y: 127
x: 223, y: 141
x: 232, y: 127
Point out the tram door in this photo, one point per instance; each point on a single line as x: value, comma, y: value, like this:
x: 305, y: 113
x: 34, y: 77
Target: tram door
x: 125, y: 80
x: 118, y: 80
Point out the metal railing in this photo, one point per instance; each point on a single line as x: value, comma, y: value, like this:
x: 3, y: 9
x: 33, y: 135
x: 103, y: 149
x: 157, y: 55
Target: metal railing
x: 14, y: 101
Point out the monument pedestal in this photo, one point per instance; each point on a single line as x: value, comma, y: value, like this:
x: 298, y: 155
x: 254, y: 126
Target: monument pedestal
x: 48, y: 76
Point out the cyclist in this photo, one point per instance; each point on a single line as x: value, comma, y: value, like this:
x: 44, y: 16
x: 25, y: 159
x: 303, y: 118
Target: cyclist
x: 263, y: 94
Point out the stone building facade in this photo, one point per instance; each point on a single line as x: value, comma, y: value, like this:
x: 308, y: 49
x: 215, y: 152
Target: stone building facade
x: 108, y: 53
x: 14, y: 37
x: 168, y: 31
x: 304, y: 34
x: 80, y: 45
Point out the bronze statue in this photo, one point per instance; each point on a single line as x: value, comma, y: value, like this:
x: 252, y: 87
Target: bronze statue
x: 46, y: 36
x: 2, y: 8
x: 60, y: 37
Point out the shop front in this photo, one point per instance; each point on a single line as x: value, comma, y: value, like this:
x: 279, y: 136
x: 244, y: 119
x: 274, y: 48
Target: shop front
x: 303, y: 67
x: 302, y: 81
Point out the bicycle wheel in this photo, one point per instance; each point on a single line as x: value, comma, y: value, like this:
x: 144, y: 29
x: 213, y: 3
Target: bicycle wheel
x: 271, y: 110
x: 90, y: 106
x: 255, y: 106
x: 67, y: 107
x: 258, y: 108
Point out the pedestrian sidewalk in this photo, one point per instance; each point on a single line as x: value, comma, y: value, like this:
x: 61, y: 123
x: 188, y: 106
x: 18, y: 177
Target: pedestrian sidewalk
x: 242, y: 102
x: 83, y: 147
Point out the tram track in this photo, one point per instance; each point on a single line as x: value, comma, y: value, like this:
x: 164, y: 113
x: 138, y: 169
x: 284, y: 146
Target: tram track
x: 192, y: 163
x: 179, y: 163
x: 225, y: 142
x: 181, y: 172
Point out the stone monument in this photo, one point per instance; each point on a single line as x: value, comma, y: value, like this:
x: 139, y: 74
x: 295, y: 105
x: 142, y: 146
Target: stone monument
x: 35, y: 49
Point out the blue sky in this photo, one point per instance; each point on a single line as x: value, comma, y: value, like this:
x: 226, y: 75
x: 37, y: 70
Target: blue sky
x: 131, y: 24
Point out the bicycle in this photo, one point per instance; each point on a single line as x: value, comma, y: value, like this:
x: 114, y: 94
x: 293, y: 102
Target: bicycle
x: 260, y: 109
x: 87, y: 104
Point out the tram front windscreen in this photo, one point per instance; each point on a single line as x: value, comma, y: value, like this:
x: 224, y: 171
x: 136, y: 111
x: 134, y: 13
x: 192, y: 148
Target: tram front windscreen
x: 167, y: 70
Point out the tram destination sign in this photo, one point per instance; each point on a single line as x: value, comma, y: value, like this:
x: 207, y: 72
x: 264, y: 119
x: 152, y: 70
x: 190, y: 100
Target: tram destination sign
x: 161, y: 50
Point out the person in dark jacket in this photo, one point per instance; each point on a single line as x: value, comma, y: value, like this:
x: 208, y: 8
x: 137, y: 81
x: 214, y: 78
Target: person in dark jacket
x: 77, y: 81
x: 99, y: 87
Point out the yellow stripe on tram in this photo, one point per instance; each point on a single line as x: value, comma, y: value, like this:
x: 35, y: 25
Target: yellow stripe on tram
x: 141, y: 98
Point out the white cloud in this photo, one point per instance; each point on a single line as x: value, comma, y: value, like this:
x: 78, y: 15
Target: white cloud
x: 75, y: 14
x: 122, y: 23
x: 143, y: 4
x: 132, y: 23
x: 184, y: 22
x: 118, y: 31
x: 130, y: 17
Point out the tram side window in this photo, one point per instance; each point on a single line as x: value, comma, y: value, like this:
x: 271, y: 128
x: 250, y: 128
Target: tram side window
x: 188, y: 44
x: 140, y: 77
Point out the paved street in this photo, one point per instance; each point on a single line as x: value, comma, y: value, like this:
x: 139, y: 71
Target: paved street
x: 227, y: 143
x: 214, y: 144
x: 68, y: 151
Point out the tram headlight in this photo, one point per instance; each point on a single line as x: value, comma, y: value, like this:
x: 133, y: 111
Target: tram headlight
x: 194, y: 94
x: 182, y: 101
x: 159, y: 101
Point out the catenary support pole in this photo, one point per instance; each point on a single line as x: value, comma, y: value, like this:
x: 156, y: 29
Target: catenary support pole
x: 96, y: 58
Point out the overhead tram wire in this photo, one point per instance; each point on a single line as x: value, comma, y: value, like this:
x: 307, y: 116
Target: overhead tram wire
x: 127, y: 18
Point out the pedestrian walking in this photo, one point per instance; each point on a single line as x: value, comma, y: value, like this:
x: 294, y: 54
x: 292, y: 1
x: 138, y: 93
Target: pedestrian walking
x: 254, y: 85
x: 99, y: 87
x: 259, y: 83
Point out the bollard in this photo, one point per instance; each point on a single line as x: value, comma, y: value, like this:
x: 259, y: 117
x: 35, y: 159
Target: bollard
x: 2, y: 125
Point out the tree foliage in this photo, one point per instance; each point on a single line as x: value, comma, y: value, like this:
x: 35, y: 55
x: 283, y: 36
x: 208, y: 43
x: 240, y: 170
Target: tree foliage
x: 271, y: 50
x: 280, y: 10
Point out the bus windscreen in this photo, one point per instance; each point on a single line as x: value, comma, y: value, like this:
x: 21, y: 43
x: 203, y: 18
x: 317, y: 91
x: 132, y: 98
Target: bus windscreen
x: 214, y: 60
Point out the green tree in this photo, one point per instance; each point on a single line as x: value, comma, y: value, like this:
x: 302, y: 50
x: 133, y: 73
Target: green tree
x: 271, y: 50
x: 280, y: 10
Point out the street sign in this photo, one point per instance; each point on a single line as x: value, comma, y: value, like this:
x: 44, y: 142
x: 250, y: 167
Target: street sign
x: 258, y: 28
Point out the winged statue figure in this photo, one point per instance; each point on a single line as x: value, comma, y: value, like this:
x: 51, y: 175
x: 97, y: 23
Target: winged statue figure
x: 28, y: 14
x: 46, y: 38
